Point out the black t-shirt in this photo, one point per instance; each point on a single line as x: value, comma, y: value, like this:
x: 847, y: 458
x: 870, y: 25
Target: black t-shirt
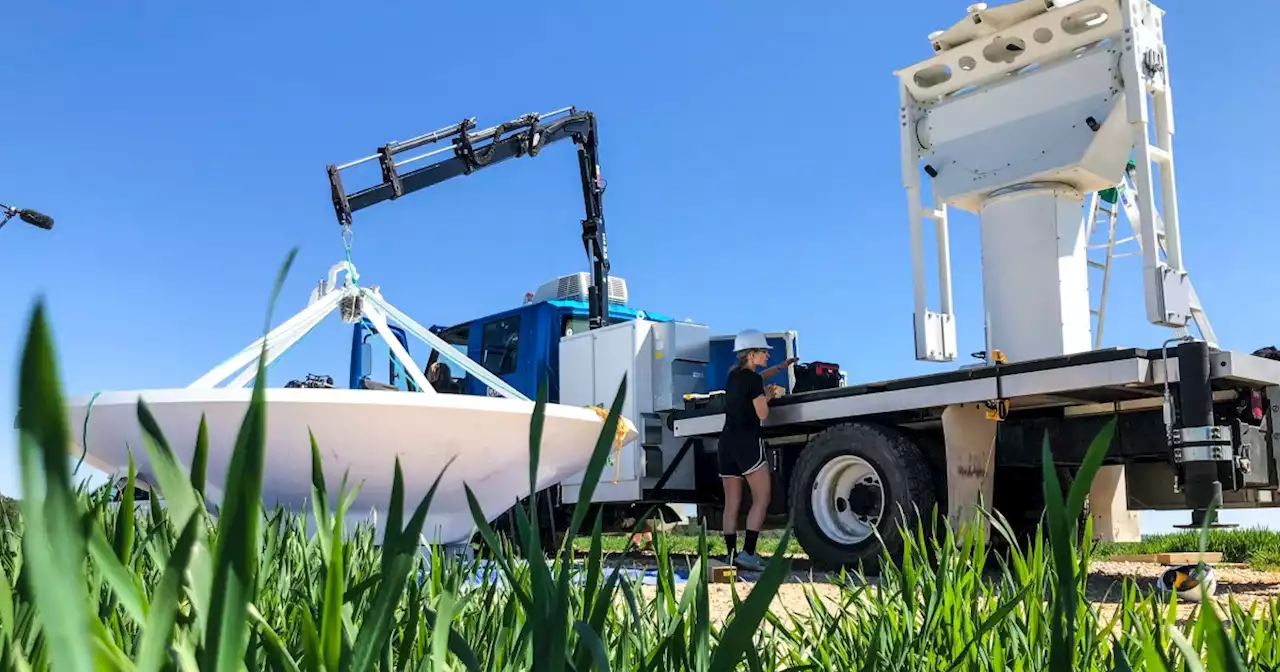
x: 740, y: 419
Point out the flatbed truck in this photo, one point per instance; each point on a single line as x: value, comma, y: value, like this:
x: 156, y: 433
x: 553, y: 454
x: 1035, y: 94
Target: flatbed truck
x: 1022, y: 113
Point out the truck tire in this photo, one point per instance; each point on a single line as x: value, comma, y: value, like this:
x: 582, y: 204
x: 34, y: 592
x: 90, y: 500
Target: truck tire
x: 853, y: 477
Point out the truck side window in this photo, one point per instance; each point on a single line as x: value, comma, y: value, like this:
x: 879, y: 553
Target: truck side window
x: 500, y: 343
x: 575, y: 325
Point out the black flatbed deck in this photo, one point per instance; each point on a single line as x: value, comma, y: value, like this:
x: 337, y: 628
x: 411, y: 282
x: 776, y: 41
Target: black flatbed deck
x: 1097, y: 376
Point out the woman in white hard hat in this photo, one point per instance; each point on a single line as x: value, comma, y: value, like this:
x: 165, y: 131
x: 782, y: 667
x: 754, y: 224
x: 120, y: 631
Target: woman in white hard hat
x: 741, y: 447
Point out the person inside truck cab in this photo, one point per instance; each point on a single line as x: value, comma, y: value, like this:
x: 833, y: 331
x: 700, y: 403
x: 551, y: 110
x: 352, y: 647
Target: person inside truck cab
x: 740, y: 450
x: 441, y: 378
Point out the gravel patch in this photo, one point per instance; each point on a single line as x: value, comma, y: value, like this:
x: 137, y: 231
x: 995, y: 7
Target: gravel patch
x: 1103, y: 589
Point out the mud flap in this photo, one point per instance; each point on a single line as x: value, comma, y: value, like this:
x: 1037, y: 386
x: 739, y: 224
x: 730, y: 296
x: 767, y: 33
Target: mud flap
x: 970, y: 448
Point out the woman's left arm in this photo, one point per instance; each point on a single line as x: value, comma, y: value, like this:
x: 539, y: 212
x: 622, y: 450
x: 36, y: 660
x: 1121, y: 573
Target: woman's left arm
x: 768, y: 373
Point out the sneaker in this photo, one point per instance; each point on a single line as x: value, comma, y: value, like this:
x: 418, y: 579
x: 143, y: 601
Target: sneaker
x: 749, y: 562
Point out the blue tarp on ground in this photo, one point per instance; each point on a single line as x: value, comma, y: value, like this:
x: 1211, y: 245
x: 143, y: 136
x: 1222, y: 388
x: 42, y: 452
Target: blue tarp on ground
x: 487, y: 573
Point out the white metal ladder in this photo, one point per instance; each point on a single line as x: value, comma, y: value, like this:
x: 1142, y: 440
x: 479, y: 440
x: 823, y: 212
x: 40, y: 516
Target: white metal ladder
x: 1102, y: 218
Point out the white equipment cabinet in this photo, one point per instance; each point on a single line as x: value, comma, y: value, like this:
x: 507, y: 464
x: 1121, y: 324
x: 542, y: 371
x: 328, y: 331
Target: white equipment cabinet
x: 662, y: 361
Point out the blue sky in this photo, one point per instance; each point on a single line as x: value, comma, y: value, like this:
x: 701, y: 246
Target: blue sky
x: 751, y: 155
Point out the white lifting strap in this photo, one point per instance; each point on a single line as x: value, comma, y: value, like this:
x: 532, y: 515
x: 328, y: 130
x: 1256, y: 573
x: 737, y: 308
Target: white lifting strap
x: 397, y: 350
x: 326, y: 298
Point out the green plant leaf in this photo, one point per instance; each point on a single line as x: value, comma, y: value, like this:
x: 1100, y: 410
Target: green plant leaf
x: 200, y: 459
x: 591, y: 477
x: 334, y: 586
x: 180, y: 501
x: 53, y: 547
x: 235, y: 554
x: 990, y: 624
x: 457, y: 645
x: 737, y: 637
x: 320, y: 498
x: 440, y: 631
x: 117, y: 576
x: 1189, y: 656
x: 275, y: 646
x: 311, y: 652
x: 125, y: 516
x: 400, y: 554
x: 7, y: 623
x: 1061, y: 653
x: 587, y: 635
x: 1093, y: 457
x: 156, y: 636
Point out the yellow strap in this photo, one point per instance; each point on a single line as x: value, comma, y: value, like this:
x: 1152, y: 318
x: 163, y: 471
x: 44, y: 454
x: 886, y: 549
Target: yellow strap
x: 619, y: 433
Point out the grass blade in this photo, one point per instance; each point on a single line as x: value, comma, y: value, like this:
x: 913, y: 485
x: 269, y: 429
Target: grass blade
x: 589, y: 637
x: 595, y: 466
x: 737, y: 637
x: 52, y: 544
x: 126, y: 515
x: 1089, y: 466
x: 235, y: 555
x: 276, y: 648
x: 400, y: 554
x: 334, y: 586
x: 120, y: 579
x: 164, y: 604
x: 1189, y: 656
x: 200, y: 458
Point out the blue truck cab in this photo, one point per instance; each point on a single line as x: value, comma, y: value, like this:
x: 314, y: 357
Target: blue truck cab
x: 520, y: 346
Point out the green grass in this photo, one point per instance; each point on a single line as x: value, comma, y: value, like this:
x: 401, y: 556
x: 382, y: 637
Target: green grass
x: 87, y: 585
x: 1257, y: 547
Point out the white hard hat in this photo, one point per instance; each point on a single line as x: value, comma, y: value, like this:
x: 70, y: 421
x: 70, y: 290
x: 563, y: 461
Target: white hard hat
x: 750, y: 340
x: 1185, y: 581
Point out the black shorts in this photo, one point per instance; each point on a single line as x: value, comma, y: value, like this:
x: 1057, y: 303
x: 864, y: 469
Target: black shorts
x: 739, y: 457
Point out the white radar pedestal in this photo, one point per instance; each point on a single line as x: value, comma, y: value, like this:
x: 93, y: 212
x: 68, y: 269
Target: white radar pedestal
x: 1022, y: 111
x: 1034, y: 271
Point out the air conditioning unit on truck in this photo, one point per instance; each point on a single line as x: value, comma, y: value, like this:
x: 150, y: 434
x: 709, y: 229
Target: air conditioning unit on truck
x: 1030, y: 115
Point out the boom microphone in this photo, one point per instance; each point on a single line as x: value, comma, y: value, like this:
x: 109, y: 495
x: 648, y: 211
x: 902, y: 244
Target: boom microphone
x: 37, y: 219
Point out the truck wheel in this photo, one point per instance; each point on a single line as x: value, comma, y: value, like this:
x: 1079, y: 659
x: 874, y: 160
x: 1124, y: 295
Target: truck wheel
x: 850, y: 479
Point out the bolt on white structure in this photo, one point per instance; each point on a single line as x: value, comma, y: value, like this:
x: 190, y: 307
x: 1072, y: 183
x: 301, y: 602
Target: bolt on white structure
x: 1023, y: 110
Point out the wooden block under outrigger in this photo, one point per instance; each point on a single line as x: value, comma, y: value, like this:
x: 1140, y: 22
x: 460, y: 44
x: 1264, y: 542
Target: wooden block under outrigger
x: 1189, y: 558
x: 720, y: 571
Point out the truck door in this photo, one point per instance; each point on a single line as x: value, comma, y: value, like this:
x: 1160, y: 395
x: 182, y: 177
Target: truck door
x: 372, y: 364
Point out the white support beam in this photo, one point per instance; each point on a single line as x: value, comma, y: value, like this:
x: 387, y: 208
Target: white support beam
x: 325, y: 298
x: 397, y: 350
x: 277, y: 346
x: 323, y: 306
x: 423, y: 334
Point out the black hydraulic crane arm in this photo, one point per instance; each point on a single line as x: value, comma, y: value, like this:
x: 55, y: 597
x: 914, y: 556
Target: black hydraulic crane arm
x: 469, y: 151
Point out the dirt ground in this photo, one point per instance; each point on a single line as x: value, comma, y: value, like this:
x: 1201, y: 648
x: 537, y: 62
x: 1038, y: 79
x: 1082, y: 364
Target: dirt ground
x: 1244, y: 585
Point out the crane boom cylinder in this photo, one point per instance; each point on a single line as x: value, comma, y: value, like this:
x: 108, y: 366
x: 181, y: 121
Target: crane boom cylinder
x: 526, y: 135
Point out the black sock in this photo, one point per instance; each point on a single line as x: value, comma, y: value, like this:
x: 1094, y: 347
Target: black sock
x: 731, y: 543
x: 749, y: 546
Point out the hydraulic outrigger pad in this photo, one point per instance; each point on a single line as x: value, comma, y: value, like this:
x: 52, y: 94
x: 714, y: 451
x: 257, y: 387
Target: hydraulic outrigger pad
x: 468, y: 151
